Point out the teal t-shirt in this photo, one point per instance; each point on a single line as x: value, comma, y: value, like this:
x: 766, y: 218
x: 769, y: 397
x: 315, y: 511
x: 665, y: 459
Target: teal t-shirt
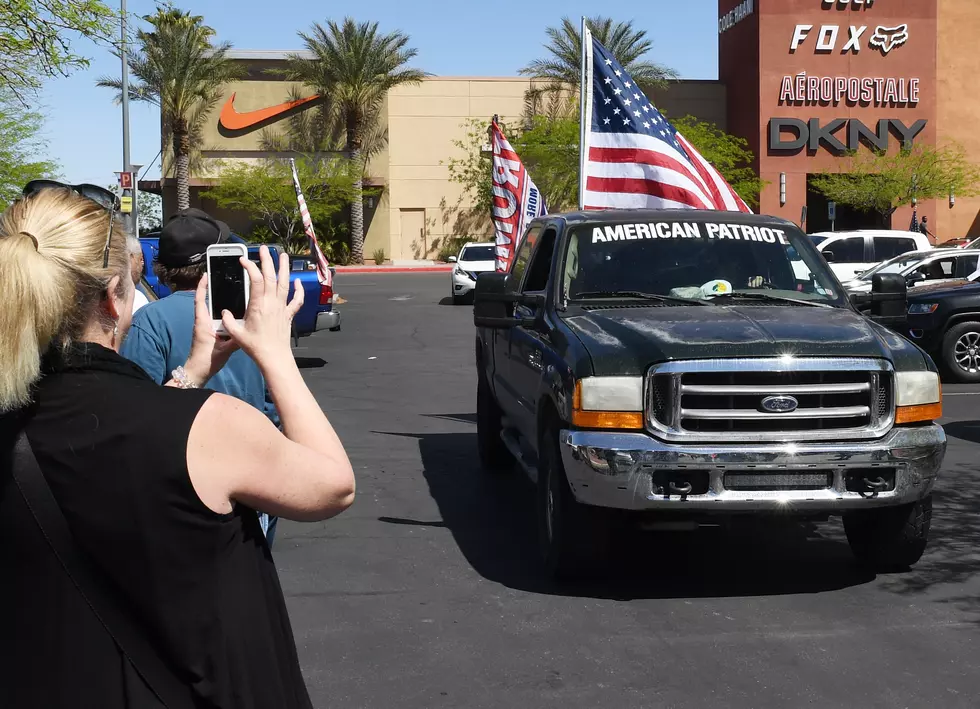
x: 159, y: 341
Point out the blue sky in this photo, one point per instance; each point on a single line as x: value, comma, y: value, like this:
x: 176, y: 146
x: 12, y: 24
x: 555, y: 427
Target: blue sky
x: 469, y: 38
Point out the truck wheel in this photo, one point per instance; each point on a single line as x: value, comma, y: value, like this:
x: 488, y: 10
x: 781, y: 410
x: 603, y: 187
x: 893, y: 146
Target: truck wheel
x: 892, y: 538
x: 493, y: 453
x: 573, y: 537
x: 961, y: 352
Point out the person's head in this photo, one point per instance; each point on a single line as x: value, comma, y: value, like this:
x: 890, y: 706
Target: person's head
x: 63, y: 277
x: 925, y: 220
x: 184, y: 239
x: 136, y: 263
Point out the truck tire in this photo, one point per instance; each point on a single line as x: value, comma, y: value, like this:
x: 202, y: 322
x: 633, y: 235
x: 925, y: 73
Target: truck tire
x: 494, y: 455
x: 961, y: 352
x: 573, y: 537
x: 892, y: 538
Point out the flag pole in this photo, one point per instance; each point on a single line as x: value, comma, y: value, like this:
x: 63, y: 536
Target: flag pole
x: 583, y: 130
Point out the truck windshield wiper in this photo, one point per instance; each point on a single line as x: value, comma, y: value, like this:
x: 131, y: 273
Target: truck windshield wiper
x: 770, y: 298
x: 639, y: 295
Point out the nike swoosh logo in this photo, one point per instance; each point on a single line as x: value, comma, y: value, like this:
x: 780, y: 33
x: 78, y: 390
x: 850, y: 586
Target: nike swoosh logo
x: 233, y: 120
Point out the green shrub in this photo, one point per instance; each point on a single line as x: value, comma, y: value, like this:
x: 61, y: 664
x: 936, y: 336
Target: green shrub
x: 379, y: 256
x: 451, y: 246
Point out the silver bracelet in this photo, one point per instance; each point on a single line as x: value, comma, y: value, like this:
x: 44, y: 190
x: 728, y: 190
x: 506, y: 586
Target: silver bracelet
x: 179, y: 375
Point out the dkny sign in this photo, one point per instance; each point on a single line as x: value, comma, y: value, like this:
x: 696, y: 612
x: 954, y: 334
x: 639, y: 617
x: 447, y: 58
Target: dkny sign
x: 839, y: 135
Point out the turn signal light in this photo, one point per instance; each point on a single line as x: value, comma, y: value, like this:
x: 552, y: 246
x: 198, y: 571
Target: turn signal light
x: 915, y: 414
x: 620, y: 420
x: 326, y: 295
x: 608, y: 419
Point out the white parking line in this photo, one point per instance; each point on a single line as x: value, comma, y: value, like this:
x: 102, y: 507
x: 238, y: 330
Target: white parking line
x: 961, y: 393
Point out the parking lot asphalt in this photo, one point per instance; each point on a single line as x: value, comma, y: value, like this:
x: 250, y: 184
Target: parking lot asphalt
x: 428, y: 593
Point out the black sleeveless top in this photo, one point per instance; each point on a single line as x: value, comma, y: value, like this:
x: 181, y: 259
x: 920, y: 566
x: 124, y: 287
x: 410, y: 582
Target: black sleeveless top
x: 112, y: 445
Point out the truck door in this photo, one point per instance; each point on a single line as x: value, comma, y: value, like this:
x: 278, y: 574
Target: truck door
x: 501, y: 339
x: 530, y: 348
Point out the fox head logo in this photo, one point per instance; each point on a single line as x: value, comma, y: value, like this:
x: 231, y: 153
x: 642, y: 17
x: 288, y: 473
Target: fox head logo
x: 887, y: 38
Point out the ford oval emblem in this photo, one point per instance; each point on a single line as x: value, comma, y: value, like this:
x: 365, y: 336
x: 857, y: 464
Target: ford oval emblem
x: 779, y: 404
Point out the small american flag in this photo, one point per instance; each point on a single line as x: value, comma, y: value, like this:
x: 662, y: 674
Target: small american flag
x: 322, y: 266
x: 633, y: 157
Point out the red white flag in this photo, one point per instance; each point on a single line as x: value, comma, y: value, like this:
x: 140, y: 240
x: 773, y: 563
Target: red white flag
x: 632, y: 157
x: 322, y: 265
x: 516, y: 199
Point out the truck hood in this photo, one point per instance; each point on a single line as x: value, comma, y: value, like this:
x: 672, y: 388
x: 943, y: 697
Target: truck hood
x: 938, y: 290
x: 627, y: 340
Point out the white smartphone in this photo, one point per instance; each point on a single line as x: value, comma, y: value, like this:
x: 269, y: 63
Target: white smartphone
x: 227, y: 282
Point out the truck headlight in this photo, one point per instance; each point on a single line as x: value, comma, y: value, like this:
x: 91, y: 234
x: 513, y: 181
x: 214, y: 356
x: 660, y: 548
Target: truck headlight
x: 918, y: 397
x: 608, y: 402
x: 922, y: 308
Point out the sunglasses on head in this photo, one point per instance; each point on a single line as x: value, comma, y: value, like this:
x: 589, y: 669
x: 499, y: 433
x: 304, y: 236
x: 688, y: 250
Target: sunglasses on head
x: 100, y: 195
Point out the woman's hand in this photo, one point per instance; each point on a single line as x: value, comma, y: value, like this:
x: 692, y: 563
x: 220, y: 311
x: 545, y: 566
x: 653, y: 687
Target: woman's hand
x: 209, y: 351
x: 266, y: 331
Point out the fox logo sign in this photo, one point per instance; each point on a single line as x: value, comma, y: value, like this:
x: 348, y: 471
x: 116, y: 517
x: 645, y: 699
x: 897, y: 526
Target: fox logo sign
x: 887, y: 38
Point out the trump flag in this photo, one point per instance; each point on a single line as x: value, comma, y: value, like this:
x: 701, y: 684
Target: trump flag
x: 516, y: 199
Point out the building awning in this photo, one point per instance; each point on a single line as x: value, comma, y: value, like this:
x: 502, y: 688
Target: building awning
x: 158, y: 186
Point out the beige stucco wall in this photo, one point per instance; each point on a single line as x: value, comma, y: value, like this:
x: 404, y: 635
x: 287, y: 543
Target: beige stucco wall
x: 423, y: 123
x: 958, y: 67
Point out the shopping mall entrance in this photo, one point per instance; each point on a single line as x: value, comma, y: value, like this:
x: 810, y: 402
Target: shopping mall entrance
x: 848, y: 218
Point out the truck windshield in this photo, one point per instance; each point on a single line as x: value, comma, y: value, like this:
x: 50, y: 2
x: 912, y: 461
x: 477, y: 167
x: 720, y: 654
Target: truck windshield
x: 697, y: 261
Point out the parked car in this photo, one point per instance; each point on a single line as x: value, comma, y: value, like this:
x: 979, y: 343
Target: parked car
x: 852, y: 252
x: 473, y: 260
x: 923, y: 267
x: 957, y: 243
x: 659, y: 367
x: 318, y: 311
x: 944, y: 320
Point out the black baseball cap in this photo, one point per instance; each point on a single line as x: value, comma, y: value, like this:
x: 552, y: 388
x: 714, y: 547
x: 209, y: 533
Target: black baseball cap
x: 187, y: 235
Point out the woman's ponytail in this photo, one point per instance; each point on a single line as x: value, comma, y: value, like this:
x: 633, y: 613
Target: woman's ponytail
x: 50, y: 276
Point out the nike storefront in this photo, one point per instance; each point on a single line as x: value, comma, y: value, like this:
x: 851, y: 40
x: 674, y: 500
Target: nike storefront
x: 803, y: 81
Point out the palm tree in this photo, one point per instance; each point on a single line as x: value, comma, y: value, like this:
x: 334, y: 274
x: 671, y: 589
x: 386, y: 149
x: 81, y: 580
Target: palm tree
x: 562, y: 68
x: 178, y: 68
x: 353, y: 67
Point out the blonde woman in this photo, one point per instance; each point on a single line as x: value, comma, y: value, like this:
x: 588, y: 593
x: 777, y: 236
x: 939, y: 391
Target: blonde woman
x: 154, y: 481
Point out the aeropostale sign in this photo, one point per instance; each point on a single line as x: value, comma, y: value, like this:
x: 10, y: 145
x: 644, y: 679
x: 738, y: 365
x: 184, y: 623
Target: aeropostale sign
x: 839, y: 135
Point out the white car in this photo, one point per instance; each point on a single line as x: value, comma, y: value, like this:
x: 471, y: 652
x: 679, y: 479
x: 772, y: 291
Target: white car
x: 473, y: 260
x: 852, y: 252
x: 923, y: 267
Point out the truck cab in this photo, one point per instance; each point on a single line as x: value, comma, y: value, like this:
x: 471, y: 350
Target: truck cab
x: 662, y: 367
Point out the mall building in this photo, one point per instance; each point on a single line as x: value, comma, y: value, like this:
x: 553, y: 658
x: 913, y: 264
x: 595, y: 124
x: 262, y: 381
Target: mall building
x: 803, y: 81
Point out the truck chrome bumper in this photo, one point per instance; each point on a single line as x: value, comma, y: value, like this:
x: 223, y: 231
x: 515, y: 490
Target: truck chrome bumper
x: 634, y: 471
x: 328, y: 320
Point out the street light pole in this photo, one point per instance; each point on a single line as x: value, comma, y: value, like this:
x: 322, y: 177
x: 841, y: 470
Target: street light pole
x: 131, y: 217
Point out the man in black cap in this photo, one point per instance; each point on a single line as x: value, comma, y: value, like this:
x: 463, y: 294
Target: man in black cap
x: 159, y: 339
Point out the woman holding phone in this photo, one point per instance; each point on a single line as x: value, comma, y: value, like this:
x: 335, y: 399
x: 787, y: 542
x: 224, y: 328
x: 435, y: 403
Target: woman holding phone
x: 155, y: 482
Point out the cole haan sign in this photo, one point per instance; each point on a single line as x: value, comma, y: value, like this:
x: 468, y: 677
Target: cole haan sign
x: 839, y: 135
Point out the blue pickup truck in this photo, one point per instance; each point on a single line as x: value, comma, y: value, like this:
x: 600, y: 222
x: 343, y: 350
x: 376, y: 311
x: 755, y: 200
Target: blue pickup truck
x: 317, y: 312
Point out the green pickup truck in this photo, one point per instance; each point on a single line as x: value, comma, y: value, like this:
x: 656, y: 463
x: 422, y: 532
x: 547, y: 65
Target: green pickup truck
x: 678, y: 368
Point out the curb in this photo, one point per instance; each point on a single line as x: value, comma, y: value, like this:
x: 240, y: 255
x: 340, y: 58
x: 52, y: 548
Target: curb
x: 392, y: 269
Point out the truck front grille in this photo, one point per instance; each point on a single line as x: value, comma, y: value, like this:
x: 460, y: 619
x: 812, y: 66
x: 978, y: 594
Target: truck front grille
x: 770, y: 399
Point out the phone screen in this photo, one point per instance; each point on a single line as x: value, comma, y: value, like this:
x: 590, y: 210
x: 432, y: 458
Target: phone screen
x: 227, y: 278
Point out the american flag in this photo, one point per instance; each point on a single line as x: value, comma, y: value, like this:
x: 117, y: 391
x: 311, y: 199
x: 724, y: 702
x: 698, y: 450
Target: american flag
x: 634, y: 158
x: 322, y: 266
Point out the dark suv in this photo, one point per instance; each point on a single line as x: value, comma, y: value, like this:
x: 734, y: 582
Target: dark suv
x: 677, y: 367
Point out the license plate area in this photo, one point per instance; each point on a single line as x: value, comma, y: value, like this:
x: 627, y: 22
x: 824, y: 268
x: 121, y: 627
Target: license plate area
x: 760, y: 481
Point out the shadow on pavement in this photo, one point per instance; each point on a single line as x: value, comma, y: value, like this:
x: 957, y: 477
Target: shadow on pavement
x: 968, y: 431
x: 492, y: 520
x: 310, y: 362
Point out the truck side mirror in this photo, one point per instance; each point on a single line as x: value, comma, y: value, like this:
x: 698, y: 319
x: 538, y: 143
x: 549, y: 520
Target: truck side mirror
x: 889, y: 297
x: 828, y: 256
x: 493, y: 302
